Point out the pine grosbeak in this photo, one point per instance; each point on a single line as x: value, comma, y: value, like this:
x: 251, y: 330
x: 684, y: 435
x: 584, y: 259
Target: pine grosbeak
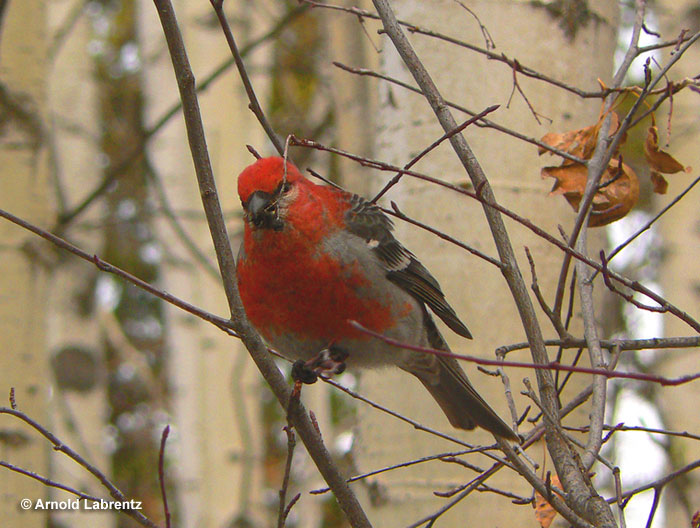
x: 314, y: 258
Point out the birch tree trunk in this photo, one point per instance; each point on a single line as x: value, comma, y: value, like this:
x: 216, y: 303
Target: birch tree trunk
x: 575, y: 51
x: 79, y: 404
x: 24, y: 190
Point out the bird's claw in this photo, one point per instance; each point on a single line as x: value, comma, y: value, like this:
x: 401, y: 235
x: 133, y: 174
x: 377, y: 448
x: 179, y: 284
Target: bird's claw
x: 303, y: 373
x: 328, y: 362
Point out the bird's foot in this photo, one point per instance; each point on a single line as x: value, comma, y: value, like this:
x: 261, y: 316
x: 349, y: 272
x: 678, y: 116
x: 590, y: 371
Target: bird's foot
x: 328, y: 362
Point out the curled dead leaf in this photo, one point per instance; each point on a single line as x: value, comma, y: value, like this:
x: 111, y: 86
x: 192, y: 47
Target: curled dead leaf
x: 618, y: 190
x: 659, y: 160
x: 660, y: 185
x: 578, y: 143
x: 581, y: 142
x: 570, y: 181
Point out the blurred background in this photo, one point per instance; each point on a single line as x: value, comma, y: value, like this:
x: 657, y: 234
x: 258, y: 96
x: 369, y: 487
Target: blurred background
x: 93, y: 149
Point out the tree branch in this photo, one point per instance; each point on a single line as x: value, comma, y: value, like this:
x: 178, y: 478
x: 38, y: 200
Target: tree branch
x: 195, y: 133
x: 582, y: 496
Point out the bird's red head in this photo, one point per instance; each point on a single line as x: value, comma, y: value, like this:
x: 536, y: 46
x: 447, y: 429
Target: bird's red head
x: 272, y: 201
x: 265, y: 175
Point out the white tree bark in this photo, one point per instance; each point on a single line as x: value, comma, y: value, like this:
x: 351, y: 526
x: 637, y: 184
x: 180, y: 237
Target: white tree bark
x: 24, y: 190
x: 77, y: 417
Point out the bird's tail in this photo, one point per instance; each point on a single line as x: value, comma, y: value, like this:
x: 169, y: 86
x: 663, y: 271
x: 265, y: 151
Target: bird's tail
x: 460, y: 402
x: 451, y: 389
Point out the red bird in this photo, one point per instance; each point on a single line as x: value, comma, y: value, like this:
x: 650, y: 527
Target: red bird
x: 314, y: 258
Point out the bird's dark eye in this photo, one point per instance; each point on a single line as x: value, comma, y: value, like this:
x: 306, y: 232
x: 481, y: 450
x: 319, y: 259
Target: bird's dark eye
x: 284, y: 187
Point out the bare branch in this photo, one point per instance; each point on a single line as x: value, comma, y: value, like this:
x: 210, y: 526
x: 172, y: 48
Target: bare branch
x: 659, y: 483
x: 610, y: 344
x: 48, y: 482
x: 618, y: 496
x: 396, y: 212
x: 590, y: 331
x: 59, y: 445
x: 432, y: 146
x: 439, y: 456
x: 651, y: 221
x: 554, y: 318
x: 195, y: 132
x: 485, y: 123
x: 550, y: 365
x: 283, y: 508
x: 105, y: 266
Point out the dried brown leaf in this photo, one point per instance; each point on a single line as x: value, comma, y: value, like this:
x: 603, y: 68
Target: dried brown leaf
x: 575, y: 142
x: 620, y: 188
x: 570, y: 180
x: 660, y: 184
x: 618, y: 193
x: 659, y: 160
x: 580, y: 142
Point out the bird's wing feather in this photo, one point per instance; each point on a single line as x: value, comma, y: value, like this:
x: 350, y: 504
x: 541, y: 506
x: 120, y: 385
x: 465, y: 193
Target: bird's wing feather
x: 366, y: 220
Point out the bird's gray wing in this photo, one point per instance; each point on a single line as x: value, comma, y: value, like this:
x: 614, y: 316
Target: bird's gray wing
x: 366, y: 220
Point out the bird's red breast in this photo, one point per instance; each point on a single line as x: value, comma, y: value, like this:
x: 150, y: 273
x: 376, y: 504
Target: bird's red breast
x: 290, y: 280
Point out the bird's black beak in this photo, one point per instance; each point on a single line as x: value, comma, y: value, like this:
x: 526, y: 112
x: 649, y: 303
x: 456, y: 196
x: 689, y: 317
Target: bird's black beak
x: 261, y: 211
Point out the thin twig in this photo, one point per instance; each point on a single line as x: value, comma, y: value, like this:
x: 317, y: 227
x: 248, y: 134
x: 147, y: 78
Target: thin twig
x: 555, y: 319
x: 485, y: 123
x: 59, y: 445
x: 474, y: 484
x: 396, y: 212
x: 518, y: 88
x: 161, y: 474
x: 618, y: 496
x: 49, y: 482
x: 647, y: 225
x: 433, y: 146
x: 255, y: 107
x: 417, y: 425
x: 105, y: 266
x: 176, y: 226
x: 623, y: 344
x: 283, y: 509
x: 659, y: 482
x: 409, y: 463
x: 654, y: 506
x: 639, y: 428
x: 550, y: 365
